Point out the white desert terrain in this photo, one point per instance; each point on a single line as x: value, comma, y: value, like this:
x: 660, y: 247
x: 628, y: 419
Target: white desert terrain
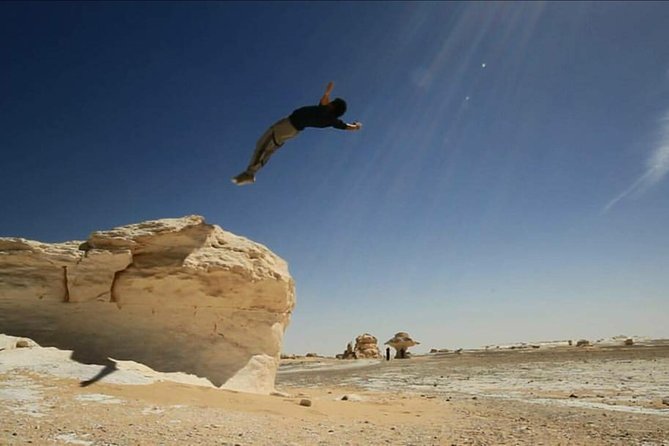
x: 597, y: 395
x: 169, y: 332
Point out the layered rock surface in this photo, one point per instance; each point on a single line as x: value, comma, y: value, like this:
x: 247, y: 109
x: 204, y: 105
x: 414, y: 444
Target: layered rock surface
x: 366, y: 347
x: 178, y: 295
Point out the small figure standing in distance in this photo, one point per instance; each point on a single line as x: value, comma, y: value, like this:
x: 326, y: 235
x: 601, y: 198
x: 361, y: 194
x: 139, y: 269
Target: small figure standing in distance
x: 325, y: 114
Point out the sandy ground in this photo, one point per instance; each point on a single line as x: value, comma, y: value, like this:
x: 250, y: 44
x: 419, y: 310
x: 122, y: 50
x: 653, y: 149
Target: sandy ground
x: 559, y: 396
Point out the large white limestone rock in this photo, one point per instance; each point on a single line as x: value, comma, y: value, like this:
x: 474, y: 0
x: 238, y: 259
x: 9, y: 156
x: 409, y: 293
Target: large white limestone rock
x: 178, y: 295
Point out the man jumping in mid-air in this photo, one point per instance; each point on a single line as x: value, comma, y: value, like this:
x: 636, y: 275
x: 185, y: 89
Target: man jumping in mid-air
x: 325, y: 114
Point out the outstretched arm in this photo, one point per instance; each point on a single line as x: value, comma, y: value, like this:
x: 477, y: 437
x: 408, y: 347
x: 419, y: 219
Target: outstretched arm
x: 325, y: 100
x: 341, y: 125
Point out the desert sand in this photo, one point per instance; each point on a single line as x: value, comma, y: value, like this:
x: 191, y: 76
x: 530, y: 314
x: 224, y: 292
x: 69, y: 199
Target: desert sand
x: 597, y: 395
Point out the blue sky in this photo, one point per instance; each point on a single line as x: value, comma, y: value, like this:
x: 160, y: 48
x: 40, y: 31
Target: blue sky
x: 509, y: 184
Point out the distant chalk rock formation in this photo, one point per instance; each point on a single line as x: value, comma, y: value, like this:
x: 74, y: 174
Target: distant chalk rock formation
x: 401, y: 343
x: 349, y: 353
x: 175, y: 294
x: 366, y: 347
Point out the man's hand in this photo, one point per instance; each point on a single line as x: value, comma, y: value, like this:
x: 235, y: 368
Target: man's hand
x: 354, y: 126
x: 325, y: 100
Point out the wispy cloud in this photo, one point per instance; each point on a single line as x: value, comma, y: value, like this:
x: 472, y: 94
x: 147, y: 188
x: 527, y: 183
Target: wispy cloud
x: 657, y: 167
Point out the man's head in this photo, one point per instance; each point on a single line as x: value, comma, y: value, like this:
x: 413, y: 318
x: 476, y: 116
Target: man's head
x: 338, y: 107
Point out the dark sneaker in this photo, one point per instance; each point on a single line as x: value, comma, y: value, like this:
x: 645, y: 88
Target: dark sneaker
x: 244, y: 178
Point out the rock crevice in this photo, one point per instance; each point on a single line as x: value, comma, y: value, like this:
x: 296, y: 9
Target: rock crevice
x: 66, y: 296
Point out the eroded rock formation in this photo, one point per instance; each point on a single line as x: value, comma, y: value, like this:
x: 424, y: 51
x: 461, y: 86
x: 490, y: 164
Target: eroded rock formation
x: 401, y: 343
x: 366, y: 347
x: 349, y: 353
x: 174, y: 294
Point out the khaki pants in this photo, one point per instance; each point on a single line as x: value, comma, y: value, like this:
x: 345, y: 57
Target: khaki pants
x: 270, y: 142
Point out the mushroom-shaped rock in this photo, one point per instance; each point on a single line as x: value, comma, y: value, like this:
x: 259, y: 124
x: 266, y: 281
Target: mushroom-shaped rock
x: 401, y: 342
